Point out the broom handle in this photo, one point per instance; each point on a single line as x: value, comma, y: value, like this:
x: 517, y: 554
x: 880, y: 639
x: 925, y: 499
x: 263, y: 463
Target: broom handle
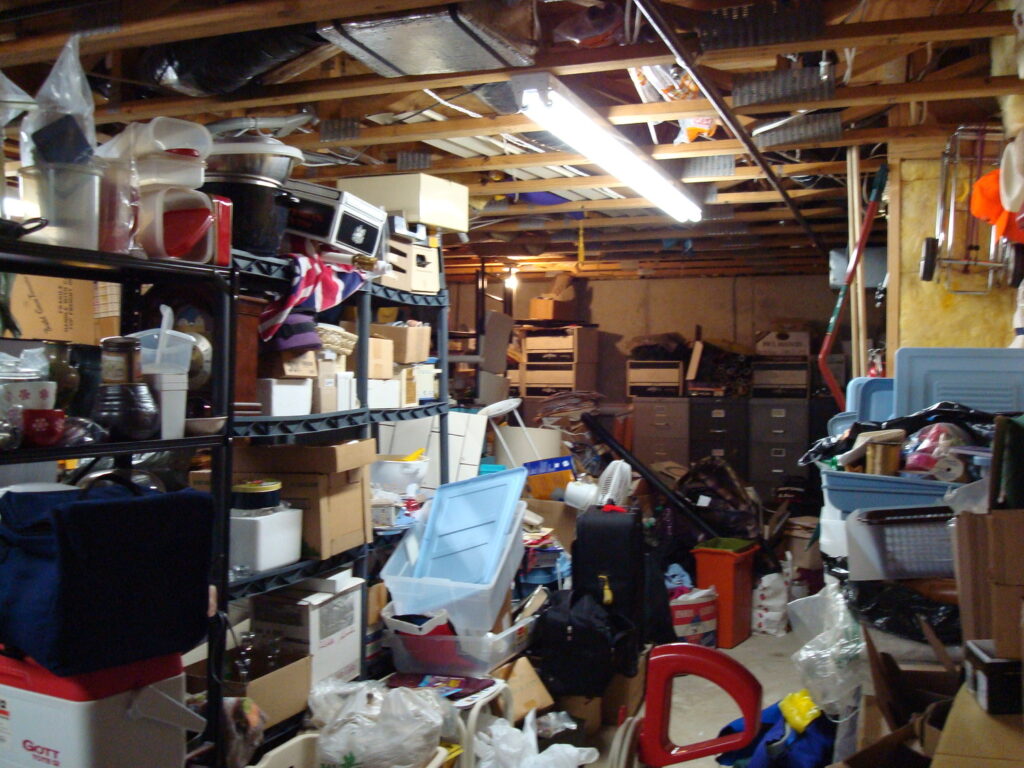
x: 865, y: 231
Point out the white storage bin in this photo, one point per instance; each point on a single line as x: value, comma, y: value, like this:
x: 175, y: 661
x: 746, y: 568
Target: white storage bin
x: 266, y: 542
x: 285, y: 397
x: 384, y: 393
x: 171, y: 392
x: 170, y: 169
x: 132, y: 727
x: 833, y: 531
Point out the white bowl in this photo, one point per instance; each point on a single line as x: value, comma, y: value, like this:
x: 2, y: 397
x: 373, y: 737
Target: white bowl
x: 397, y: 476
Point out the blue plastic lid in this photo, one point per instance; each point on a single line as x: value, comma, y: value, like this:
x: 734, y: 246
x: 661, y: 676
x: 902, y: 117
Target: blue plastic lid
x: 468, y: 526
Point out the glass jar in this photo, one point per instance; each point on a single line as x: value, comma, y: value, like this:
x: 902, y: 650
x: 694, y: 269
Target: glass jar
x: 120, y: 360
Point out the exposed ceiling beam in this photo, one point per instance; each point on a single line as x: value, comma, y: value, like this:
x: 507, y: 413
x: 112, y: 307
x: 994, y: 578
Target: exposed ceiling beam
x: 926, y: 134
x: 943, y: 28
x: 600, y: 222
x: 699, y: 246
x: 598, y: 182
x: 562, y: 63
x: 568, y: 235
x: 627, y: 203
x: 190, y: 25
x: 631, y: 114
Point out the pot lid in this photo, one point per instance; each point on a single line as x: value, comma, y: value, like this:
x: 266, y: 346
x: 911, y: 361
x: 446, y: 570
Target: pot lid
x: 252, y: 144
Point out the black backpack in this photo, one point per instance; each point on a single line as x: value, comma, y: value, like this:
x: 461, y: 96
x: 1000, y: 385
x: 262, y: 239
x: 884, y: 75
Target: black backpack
x: 581, y: 645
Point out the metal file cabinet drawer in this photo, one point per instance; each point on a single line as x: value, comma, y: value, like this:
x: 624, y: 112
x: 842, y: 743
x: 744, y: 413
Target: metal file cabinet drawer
x: 772, y: 462
x: 778, y: 421
x: 718, y: 419
x: 654, y: 449
x: 733, y: 452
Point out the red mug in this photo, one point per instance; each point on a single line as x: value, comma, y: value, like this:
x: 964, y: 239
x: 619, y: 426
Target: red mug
x: 43, y: 427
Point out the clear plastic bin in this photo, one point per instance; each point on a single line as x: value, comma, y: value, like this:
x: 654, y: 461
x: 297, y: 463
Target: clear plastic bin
x: 848, y: 491
x: 168, y: 169
x: 472, y: 606
x: 177, y: 354
x: 458, y: 654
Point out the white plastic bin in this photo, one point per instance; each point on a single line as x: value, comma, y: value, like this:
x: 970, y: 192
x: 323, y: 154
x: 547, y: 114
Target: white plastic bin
x: 176, y: 356
x: 266, y: 542
x: 169, y: 169
x: 285, y: 397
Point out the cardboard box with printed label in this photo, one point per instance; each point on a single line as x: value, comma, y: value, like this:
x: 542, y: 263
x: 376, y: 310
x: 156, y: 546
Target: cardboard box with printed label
x: 280, y: 693
x: 288, y: 365
x: 54, y: 308
x: 325, y: 625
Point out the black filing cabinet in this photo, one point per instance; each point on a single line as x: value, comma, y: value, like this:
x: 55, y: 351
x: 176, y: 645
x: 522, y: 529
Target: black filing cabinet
x: 718, y: 427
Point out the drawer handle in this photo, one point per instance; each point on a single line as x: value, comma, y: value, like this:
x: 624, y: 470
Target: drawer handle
x: 778, y: 471
x: 717, y: 431
x: 778, y: 431
x: 661, y: 424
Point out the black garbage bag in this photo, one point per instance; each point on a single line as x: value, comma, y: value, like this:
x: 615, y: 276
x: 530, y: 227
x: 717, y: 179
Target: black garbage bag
x: 979, y: 425
x: 894, y: 608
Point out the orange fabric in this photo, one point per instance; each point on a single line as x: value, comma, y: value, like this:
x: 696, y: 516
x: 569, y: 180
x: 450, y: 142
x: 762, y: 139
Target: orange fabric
x: 987, y: 206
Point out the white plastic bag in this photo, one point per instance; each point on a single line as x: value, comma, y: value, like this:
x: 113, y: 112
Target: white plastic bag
x: 500, y: 745
x: 831, y: 665
x: 64, y: 93
x: 372, y: 726
x: 770, y: 598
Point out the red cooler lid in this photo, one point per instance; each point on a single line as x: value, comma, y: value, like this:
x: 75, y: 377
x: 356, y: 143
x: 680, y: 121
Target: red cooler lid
x: 29, y: 676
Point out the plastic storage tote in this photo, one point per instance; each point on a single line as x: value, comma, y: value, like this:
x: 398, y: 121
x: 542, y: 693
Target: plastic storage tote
x: 848, y: 491
x: 465, y: 556
x: 728, y: 566
x: 458, y: 655
x: 300, y: 752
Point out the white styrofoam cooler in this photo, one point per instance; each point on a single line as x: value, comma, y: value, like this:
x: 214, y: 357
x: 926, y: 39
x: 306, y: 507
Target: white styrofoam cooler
x: 130, y: 728
x: 268, y: 541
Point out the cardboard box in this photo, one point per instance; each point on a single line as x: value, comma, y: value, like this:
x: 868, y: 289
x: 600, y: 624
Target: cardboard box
x: 411, y: 345
x: 325, y: 387
x: 288, y: 365
x: 54, y: 308
x: 325, y: 459
x: 1006, y: 629
x: 335, y: 507
x: 894, y: 750
x: 1005, y: 545
x: 419, y: 198
x: 557, y: 515
x: 784, y: 344
x: 382, y: 359
x: 970, y: 542
x: 528, y: 692
x: 583, y: 708
x: 797, y: 541
x: 324, y: 625
x: 550, y: 309
x: 624, y: 695
x: 972, y: 737
x: 280, y: 693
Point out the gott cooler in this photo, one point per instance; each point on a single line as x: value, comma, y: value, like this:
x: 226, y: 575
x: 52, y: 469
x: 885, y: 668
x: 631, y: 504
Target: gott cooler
x: 131, y: 716
x: 728, y: 565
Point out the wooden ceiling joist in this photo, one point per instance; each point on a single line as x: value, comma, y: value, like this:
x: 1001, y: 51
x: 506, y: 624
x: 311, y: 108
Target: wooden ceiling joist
x: 631, y: 114
x: 598, y: 182
x: 561, y: 63
x: 600, y: 222
x: 190, y: 25
x: 862, y: 137
x: 628, y: 203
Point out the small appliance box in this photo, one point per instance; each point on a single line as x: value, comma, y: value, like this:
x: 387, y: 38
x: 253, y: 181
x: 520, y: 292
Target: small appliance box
x: 784, y: 344
x: 325, y: 625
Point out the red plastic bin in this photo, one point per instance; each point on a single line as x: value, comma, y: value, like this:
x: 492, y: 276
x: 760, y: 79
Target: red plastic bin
x: 731, y: 571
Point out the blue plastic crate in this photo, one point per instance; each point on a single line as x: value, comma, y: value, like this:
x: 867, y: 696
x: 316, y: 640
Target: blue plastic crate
x: 848, y: 491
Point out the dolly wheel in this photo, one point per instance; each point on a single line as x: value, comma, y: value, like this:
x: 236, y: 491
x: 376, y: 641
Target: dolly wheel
x: 929, y: 258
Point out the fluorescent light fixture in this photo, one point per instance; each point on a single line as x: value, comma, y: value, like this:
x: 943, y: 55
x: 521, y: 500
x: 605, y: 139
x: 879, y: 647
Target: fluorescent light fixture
x: 546, y: 101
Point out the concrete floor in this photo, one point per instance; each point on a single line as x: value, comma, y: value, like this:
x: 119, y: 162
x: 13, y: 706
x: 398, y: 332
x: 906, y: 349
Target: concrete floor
x: 700, y: 709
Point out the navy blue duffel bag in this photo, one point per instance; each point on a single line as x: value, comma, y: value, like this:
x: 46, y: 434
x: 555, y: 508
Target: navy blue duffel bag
x: 99, y: 578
